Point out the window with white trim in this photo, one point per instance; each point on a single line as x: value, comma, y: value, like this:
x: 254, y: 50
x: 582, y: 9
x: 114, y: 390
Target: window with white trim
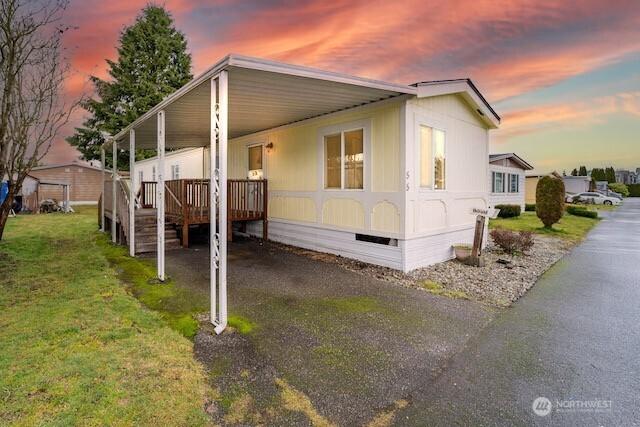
x: 344, y: 160
x: 140, y: 177
x: 497, y: 179
x: 432, y: 158
x: 514, y: 183
x: 175, y: 171
x: 153, y: 173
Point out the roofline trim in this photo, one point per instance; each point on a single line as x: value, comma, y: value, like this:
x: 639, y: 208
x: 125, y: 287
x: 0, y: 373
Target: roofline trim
x: 526, y: 165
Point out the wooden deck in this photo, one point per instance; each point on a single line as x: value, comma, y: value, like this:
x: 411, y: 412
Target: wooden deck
x: 187, y: 204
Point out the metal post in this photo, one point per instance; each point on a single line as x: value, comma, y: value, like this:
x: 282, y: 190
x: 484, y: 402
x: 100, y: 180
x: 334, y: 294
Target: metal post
x: 223, y: 108
x: 132, y: 193
x: 102, y: 161
x: 213, y: 203
x: 160, y: 196
x: 114, y: 168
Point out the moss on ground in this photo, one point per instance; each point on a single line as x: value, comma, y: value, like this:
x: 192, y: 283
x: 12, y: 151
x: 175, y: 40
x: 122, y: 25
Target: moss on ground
x: 241, y: 324
x: 437, y: 289
x: 178, y: 305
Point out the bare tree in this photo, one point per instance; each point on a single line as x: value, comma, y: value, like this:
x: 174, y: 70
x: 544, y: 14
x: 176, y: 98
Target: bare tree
x: 33, y: 70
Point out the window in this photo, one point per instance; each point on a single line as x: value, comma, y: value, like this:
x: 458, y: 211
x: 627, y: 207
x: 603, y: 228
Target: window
x: 255, y: 162
x: 153, y: 173
x: 497, y: 178
x: 432, y: 158
x: 140, y: 177
x: 175, y: 171
x: 344, y: 160
x: 514, y: 183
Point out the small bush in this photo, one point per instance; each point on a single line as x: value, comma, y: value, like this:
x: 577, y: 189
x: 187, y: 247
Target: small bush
x: 550, y: 200
x: 512, y: 242
x: 619, y: 187
x: 508, y: 211
x: 579, y: 211
x: 530, y: 207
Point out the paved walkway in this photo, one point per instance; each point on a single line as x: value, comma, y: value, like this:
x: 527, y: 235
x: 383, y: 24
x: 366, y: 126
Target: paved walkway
x: 574, y: 336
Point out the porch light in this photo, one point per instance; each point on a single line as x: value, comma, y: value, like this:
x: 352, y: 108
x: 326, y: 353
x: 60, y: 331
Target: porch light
x: 269, y: 147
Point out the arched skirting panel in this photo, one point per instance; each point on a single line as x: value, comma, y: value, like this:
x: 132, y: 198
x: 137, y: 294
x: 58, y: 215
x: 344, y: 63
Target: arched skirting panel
x: 431, y: 215
x: 385, y: 216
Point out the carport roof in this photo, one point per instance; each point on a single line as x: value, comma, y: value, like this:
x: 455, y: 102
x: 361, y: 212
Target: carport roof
x: 262, y: 95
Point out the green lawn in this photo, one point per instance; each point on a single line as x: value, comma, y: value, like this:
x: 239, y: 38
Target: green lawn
x: 77, y: 349
x: 570, y: 227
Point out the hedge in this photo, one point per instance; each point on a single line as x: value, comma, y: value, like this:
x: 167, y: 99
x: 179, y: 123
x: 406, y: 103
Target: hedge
x: 580, y: 211
x: 634, y: 190
x: 530, y: 207
x: 508, y: 211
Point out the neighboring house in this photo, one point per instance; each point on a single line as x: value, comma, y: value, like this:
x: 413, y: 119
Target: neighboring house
x: 179, y: 164
x: 384, y: 173
x: 626, y: 177
x: 506, y: 179
x: 531, y: 183
x: 576, y: 184
x: 84, y: 180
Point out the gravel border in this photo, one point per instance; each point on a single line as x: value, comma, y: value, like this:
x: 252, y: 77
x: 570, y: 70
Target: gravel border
x: 496, y: 283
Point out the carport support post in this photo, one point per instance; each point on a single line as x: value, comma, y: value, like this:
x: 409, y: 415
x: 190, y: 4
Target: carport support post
x: 160, y: 195
x: 102, y: 163
x: 132, y: 193
x: 213, y: 204
x: 223, y: 108
x: 114, y: 168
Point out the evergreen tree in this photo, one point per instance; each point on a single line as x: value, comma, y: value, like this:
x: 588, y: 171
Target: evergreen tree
x: 582, y: 171
x: 574, y: 172
x: 598, y: 174
x: 610, y: 175
x: 152, y: 63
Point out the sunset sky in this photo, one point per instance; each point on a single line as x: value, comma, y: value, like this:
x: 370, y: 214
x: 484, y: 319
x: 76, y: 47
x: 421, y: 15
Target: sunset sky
x: 564, y: 75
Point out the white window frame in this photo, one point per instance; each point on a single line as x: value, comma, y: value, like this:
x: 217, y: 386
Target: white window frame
x: 493, y: 182
x: 140, y: 176
x: 365, y: 126
x: 175, y: 171
x: 153, y: 173
x: 418, y: 163
x: 517, y: 181
x: 264, y: 157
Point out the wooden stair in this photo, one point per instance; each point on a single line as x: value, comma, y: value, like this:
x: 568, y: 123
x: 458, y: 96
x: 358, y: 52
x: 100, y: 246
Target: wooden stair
x: 147, y: 232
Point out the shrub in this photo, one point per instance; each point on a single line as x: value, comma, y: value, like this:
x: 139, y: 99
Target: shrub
x: 634, y: 190
x: 619, y: 187
x: 508, y: 211
x: 549, y: 200
x: 530, y: 207
x: 580, y: 211
x: 512, y: 242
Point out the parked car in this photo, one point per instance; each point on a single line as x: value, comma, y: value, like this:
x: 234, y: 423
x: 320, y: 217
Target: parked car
x: 595, y: 198
x: 568, y: 197
x: 610, y: 193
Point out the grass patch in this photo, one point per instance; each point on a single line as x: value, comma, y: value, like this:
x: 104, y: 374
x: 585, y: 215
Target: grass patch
x: 77, y: 349
x: 241, y: 324
x: 437, y: 289
x: 570, y: 227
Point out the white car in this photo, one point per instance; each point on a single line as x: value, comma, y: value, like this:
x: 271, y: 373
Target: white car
x: 595, y: 198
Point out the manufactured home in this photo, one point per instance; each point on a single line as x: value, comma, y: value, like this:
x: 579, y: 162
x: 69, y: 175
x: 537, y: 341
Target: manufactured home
x: 385, y: 173
x: 507, y: 180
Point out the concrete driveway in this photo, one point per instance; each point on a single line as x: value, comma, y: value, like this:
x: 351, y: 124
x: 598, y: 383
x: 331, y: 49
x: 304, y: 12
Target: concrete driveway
x: 574, y: 337
x: 355, y: 347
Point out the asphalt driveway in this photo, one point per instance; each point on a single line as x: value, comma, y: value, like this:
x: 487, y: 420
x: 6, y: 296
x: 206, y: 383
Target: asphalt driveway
x: 574, y: 337
x: 354, y: 346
